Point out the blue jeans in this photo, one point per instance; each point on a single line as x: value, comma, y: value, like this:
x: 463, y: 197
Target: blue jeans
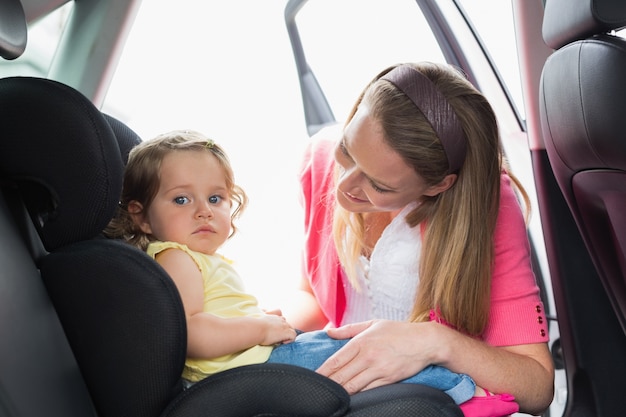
x: 311, y: 349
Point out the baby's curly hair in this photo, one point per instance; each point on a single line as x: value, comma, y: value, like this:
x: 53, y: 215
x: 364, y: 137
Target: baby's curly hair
x: 142, y: 177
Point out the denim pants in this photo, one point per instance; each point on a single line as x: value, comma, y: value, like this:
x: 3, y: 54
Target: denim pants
x: 311, y: 349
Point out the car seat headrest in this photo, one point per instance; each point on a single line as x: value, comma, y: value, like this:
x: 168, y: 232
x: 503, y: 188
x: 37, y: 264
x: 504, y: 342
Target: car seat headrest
x: 586, y: 127
x: 566, y: 21
x: 60, y: 152
x: 13, y: 29
x: 126, y: 137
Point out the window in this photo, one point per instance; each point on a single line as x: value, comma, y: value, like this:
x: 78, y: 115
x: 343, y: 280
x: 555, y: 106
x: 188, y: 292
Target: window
x: 498, y: 37
x: 348, y: 42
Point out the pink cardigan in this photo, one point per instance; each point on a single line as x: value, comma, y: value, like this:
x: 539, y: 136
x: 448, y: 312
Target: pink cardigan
x: 516, y: 315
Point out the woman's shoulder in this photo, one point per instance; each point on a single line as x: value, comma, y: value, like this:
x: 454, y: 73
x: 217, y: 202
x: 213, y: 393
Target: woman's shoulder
x: 321, y: 146
x: 510, y: 209
x: 317, y: 168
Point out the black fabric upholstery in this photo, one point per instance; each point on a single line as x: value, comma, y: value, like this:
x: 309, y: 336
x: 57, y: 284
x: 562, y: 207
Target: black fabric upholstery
x: 39, y: 375
x: 403, y: 400
x: 262, y: 390
x: 126, y: 137
x: 583, y: 97
x: 59, y: 148
x: 125, y: 322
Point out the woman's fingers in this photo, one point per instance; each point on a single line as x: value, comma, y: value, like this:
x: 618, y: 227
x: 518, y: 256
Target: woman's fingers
x: 349, y: 330
x: 369, y: 360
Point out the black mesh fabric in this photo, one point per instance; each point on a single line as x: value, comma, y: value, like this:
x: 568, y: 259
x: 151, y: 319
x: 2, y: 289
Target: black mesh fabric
x: 125, y: 323
x: 403, y: 400
x: 62, y: 154
x: 277, y: 390
x: 126, y: 137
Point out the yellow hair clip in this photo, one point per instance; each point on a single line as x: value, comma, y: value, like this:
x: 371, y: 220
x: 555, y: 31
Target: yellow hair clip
x: 209, y: 144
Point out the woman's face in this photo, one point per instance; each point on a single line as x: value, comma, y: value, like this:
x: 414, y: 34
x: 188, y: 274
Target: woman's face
x: 373, y: 177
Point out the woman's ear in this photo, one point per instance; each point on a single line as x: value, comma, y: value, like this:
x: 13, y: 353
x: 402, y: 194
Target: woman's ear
x: 136, y: 212
x: 447, y: 182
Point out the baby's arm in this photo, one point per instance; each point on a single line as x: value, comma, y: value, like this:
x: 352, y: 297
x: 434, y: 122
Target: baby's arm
x: 209, y: 336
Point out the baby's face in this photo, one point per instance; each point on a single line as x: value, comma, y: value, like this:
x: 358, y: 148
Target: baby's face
x: 192, y: 205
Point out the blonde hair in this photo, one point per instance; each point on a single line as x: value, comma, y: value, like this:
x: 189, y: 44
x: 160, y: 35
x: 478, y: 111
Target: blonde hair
x: 458, y: 225
x: 142, y: 180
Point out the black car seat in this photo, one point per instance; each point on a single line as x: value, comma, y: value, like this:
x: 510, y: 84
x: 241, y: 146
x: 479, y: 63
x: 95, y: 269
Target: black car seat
x: 119, y: 311
x: 583, y: 102
x: 125, y: 136
x: 38, y: 372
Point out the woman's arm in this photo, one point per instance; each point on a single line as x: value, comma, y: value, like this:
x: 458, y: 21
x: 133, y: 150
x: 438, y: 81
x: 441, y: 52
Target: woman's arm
x: 304, y: 312
x: 210, y: 336
x: 371, y: 360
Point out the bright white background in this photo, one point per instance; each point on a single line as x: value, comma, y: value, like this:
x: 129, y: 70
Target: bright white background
x: 227, y: 71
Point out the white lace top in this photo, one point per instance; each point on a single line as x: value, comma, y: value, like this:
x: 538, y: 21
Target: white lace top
x: 388, y: 280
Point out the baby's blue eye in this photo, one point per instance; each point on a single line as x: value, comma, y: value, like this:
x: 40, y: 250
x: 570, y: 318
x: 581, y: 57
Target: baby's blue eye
x: 181, y: 200
x: 215, y: 199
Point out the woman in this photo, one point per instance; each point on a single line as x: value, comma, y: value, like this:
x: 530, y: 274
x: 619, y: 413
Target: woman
x: 416, y: 244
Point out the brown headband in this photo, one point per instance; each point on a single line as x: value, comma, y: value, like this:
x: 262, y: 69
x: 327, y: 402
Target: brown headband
x: 435, y: 108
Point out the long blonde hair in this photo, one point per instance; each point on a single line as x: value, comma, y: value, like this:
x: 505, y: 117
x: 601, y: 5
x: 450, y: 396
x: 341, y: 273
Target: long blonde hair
x: 458, y: 224
x: 142, y: 180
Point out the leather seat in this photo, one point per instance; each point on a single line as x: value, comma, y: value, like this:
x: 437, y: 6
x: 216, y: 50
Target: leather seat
x: 582, y: 101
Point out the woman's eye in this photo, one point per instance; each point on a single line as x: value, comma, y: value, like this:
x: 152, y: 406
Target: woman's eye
x: 181, y: 200
x: 342, y: 148
x: 342, y: 156
x: 378, y: 189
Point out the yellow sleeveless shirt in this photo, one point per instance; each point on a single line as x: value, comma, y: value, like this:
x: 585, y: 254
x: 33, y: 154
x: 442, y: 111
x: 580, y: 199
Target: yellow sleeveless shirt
x: 224, y: 296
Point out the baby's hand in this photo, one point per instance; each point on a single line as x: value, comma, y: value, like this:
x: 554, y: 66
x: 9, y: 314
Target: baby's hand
x: 277, y: 330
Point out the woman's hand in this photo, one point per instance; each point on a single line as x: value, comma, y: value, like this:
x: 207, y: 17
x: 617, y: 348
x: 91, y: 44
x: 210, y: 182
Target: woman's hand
x: 381, y: 352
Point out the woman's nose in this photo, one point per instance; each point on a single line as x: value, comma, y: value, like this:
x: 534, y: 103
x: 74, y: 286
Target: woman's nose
x: 349, y: 179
